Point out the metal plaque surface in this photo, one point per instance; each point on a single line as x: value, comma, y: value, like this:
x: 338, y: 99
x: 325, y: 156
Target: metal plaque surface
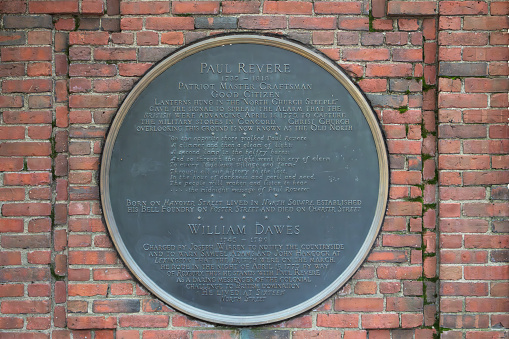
x: 244, y: 179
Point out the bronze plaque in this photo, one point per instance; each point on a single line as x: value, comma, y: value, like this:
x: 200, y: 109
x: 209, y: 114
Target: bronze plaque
x: 244, y: 179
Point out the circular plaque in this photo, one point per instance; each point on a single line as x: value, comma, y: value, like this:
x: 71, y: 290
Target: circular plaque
x: 244, y: 179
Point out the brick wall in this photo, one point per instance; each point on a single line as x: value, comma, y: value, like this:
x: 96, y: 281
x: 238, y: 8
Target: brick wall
x: 436, y: 75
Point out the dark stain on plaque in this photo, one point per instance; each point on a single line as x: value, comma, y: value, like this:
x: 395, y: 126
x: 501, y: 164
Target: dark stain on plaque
x: 244, y: 179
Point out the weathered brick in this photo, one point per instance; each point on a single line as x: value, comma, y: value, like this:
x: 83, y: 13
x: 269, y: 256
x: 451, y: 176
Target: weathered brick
x: 153, y: 53
x: 53, y: 7
x: 262, y: 22
x: 325, y: 7
x: 216, y: 23
x: 28, y: 21
x: 236, y: 7
x: 463, y: 7
x: 88, y: 322
x: 339, y: 320
x: 411, y: 8
x: 144, y: 8
x: 195, y: 7
x: 169, y: 23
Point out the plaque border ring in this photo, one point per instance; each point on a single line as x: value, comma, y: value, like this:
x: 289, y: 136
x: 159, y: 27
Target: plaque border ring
x: 319, y: 59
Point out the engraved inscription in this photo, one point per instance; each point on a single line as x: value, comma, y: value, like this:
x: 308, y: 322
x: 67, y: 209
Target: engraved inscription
x: 243, y: 180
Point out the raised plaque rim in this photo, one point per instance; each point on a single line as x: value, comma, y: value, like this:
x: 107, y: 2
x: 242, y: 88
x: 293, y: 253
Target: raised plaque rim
x: 332, y: 68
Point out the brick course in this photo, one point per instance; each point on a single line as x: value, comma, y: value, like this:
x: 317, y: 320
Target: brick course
x: 436, y: 74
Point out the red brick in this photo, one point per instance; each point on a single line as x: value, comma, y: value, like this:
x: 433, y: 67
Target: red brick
x: 14, y: 69
x: 195, y: 7
x: 500, y: 162
x: 389, y: 70
x: 262, y: 22
x: 365, y: 287
x: 373, y: 85
x: 325, y: 7
x: 144, y: 8
x: 13, y: 6
x: 404, y: 304
x: 287, y: 7
x: 25, y: 54
x: 137, y: 69
x: 39, y: 290
x: 9, y: 323
x: 172, y: 334
x: 127, y: 23
x: 172, y: 38
x: 463, y: 38
x: 463, y: 257
x: 147, y: 38
x: 116, y: 306
x: 111, y: 274
x: 499, y: 38
x: 486, y: 272
x: 487, y: 304
x: 353, y: 24
x: 359, y: 304
x: 412, y: 272
x: 113, y: 85
x: 169, y: 23
x: 410, y: 55
x: 92, y: 7
x: 12, y: 132
x: 413, y: 8
x: 499, y: 8
x: 465, y: 162
x: 240, y: 7
x: 485, y: 54
x: 88, y: 38
x: 404, y: 208
x: 401, y: 240
x: 26, y: 209
x: 122, y: 289
x: 404, y: 147
x: 338, y: 320
x: 109, y: 53
x: 92, y: 101
x: 87, y: 290
x: 11, y: 101
x: 485, y: 209
x: 25, y: 241
x: 87, y: 322
x: 408, y: 24
x: 463, y: 289
x: 97, y: 70
x: 27, y: 86
x: 378, y: 321
x: 486, y: 85
x: 92, y: 258
x: 463, y: 7
x: 388, y: 256
x: 39, y: 38
x: 405, y: 177
x: 453, y: 100
x: 10, y: 258
x: 122, y: 38
x: 39, y: 69
x: 39, y: 132
x: 25, y: 307
x: 53, y: 7
x: 465, y: 321
x: 144, y: 320
x: 485, y: 23
x: 364, y: 54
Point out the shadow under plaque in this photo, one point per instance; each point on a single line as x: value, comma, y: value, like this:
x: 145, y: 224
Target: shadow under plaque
x: 244, y: 179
